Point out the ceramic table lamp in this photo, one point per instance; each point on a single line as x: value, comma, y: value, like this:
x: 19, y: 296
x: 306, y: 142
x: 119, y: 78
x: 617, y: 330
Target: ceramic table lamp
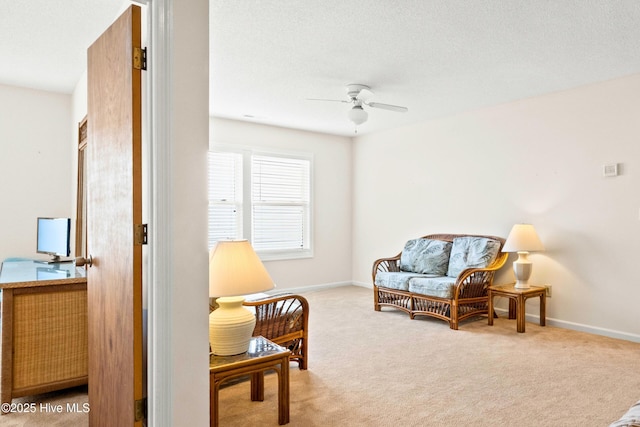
x: 234, y: 270
x: 522, y: 239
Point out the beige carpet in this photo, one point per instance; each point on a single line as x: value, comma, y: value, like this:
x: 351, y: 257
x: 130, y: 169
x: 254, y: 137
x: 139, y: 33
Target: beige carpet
x: 49, y: 410
x: 383, y: 369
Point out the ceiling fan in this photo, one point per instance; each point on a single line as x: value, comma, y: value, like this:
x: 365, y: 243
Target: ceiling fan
x: 359, y: 95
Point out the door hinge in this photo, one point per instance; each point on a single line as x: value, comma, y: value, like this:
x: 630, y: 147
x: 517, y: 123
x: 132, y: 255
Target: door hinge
x: 140, y: 234
x: 140, y: 58
x: 140, y: 410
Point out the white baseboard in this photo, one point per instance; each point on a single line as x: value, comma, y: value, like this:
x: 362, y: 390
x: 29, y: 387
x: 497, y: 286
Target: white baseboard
x: 533, y: 318
x: 558, y: 323
x: 584, y: 328
x: 311, y: 288
x: 362, y: 284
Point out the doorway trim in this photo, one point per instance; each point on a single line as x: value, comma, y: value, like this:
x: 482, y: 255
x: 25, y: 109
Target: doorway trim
x: 159, y: 279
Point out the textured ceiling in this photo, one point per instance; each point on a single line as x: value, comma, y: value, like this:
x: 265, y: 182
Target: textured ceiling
x: 436, y: 57
x: 43, y: 43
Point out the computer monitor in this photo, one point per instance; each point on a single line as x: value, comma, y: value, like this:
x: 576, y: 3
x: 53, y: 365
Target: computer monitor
x: 54, y: 238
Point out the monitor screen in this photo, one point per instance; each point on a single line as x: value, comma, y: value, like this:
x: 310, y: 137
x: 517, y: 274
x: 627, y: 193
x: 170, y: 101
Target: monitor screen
x: 54, y: 237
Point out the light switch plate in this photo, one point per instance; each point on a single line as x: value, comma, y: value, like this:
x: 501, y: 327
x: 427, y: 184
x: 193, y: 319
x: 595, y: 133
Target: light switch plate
x: 610, y: 169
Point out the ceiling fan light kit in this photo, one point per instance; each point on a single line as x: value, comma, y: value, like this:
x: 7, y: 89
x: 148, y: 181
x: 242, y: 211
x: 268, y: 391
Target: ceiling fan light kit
x: 359, y: 95
x: 357, y: 115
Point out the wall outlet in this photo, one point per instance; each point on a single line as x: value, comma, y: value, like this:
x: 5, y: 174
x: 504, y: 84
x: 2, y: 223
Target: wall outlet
x: 548, y: 290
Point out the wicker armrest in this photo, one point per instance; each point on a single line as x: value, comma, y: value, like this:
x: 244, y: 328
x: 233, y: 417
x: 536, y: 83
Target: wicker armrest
x: 267, y: 298
x: 284, y: 319
x: 385, y: 264
x: 473, y: 282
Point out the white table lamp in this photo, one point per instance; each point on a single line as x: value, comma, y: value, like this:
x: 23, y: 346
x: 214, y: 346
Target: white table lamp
x: 234, y: 269
x: 522, y: 239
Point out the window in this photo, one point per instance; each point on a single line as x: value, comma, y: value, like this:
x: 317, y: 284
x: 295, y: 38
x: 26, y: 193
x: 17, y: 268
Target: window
x: 265, y: 198
x: 225, y: 196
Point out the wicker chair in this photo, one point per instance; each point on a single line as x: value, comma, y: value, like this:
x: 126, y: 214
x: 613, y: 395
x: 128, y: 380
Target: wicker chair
x: 284, y: 319
x: 469, y: 295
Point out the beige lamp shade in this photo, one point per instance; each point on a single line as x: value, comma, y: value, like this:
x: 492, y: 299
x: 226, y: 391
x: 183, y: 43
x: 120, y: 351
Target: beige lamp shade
x: 235, y: 269
x: 523, y: 237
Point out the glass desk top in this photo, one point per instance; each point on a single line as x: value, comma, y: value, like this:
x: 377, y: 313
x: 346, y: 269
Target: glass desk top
x: 24, y: 271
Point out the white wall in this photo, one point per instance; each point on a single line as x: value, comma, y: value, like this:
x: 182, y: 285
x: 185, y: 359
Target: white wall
x: 331, y: 263
x: 36, y: 165
x: 537, y: 160
x: 188, y: 101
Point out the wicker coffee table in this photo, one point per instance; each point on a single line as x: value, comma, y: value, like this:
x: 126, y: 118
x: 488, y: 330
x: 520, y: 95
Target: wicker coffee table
x: 263, y: 355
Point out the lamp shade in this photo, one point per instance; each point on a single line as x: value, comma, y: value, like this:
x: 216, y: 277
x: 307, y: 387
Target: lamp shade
x: 235, y: 269
x: 357, y: 115
x: 523, y: 238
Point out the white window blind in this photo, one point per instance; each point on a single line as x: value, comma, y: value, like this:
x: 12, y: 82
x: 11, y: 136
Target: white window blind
x: 262, y: 197
x: 280, y: 195
x: 225, y: 196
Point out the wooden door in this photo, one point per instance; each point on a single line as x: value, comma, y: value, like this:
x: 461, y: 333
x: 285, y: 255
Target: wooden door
x: 114, y: 206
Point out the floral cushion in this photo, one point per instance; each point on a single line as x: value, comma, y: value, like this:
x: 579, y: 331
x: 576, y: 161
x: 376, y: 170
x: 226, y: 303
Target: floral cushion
x: 471, y: 252
x: 441, y: 287
x: 425, y: 256
x: 630, y: 418
x: 396, y: 279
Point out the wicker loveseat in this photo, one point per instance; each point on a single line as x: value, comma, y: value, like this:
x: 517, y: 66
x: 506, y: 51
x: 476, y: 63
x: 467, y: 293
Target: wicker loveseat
x: 445, y: 276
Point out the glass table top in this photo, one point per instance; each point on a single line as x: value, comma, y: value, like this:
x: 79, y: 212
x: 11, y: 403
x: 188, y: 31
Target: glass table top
x: 258, y: 347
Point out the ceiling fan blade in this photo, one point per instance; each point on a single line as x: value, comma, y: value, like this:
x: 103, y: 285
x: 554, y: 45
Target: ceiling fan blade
x: 330, y: 100
x: 388, y: 107
x: 364, y: 95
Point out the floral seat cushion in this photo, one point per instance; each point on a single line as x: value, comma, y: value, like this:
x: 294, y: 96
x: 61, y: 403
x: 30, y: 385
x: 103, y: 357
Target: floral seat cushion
x: 441, y: 287
x: 471, y: 252
x: 426, y: 256
x: 396, y: 279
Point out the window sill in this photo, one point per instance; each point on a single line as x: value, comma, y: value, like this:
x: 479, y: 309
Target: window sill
x: 284, y: 255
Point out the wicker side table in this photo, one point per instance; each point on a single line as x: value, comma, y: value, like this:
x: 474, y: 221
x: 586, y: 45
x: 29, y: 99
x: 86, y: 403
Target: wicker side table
x: 519, y: 297
x: 263, y: 355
